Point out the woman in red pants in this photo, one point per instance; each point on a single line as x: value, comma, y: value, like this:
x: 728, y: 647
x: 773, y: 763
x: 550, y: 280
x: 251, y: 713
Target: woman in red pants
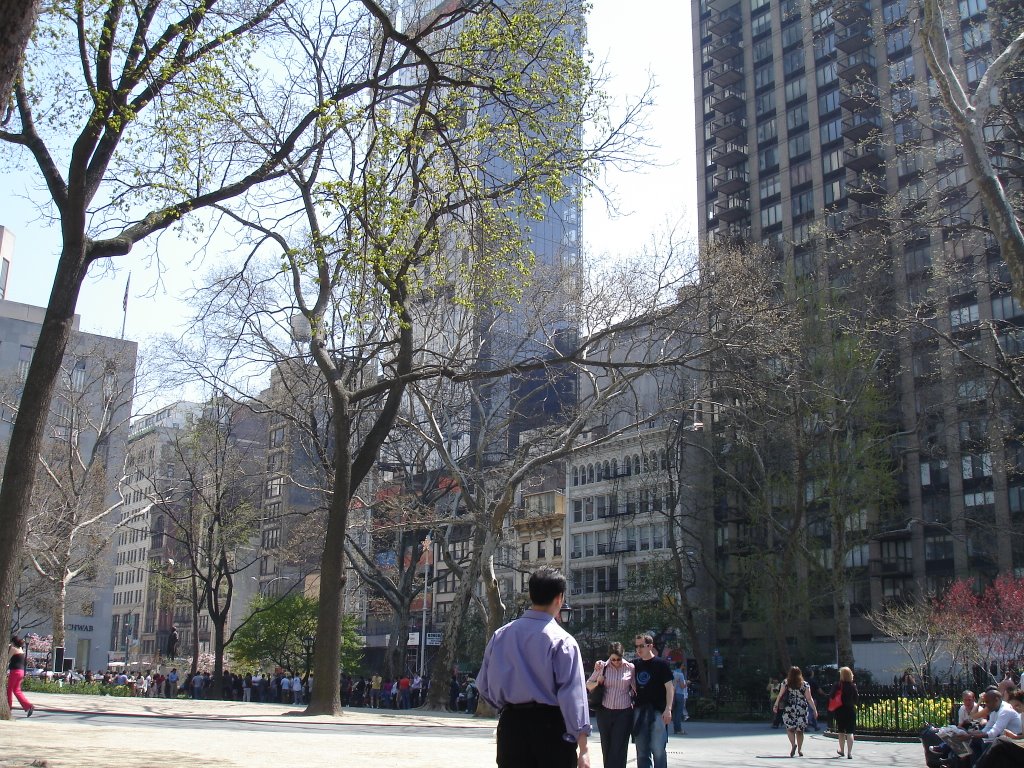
x: 16, y: 673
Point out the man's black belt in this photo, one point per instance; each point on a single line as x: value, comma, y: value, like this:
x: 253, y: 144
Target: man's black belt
x: 531, y: 705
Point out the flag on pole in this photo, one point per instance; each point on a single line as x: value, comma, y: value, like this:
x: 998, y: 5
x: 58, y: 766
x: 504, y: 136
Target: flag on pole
x: 124, y: 304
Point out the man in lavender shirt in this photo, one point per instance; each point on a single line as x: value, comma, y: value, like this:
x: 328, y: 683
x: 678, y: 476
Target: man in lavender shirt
x: 532, y: 672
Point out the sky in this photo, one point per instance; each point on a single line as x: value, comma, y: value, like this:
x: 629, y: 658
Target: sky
x: 635, y: 46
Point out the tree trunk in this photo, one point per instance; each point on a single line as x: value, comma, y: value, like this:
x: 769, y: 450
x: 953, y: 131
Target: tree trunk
x: 218, y: 655
x: 19, y: 19
x: 59, y: 609
x: 841, y: 600
x: 26, y: 436
x: 444, y: 661
x: 326, y: 698
x: 394, y: 661
x: 495, y: 607
x: 195, y: 625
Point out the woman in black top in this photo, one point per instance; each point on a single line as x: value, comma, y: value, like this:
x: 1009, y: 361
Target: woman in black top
x: 15, y: 674
x: 844, y: 720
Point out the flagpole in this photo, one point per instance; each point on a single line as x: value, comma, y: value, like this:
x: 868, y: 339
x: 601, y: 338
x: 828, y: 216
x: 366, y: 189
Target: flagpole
x: 124, y: 305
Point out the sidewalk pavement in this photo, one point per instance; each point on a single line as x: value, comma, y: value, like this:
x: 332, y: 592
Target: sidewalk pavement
x: 70, y: 731
x: 215, y: 710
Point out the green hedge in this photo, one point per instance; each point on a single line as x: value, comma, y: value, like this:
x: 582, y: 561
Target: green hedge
x: 92, y: 689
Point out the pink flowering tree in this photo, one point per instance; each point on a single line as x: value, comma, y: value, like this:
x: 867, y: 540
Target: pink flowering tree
x: 983, y: 629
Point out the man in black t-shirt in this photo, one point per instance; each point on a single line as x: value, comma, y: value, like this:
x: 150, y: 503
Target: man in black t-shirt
x: 653, y: 710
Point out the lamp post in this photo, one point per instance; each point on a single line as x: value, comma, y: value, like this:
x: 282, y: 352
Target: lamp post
x: 308, y: 642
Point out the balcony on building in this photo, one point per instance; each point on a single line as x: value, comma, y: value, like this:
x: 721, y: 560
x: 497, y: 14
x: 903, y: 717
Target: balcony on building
x: 733, y: 208
x: 730, y: 127
x: 730, y: 153
x: 862, y: 126
x: 721, y: 6
x: 727, y: 47
x: 864, y: 156
x: 890, y: 567
x: 854, y: 37
x: 858, y: 95
x: 731, y: 180
x: 727, y: 21
x: 851, y: 11
x: 728, y: 73
x: 857, y: 65
x: 728, y: 100
x: 863, y: 217
x: 866, y: 187
x: 731, y: 234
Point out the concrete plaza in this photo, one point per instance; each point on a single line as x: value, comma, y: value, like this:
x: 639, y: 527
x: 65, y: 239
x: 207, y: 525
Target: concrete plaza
x: 90, y: 731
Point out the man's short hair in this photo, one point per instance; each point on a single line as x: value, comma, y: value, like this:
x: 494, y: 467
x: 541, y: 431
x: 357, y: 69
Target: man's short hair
x: 648, y: 639
x: 545, y: 585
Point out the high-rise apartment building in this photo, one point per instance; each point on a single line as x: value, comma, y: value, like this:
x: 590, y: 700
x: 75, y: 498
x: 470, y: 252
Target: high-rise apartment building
x: 818, y: 119
x: 142, y: 604
x: 84, y: 449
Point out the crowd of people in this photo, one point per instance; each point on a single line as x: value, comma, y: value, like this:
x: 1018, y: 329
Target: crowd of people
x: 987, y: 732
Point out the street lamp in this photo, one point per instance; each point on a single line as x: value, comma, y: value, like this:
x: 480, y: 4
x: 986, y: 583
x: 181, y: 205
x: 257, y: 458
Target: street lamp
x: 308, y: 642
x: 565, y: 613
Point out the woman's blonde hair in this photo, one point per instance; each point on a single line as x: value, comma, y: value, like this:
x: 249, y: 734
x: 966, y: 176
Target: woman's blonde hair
x: 846, y: 674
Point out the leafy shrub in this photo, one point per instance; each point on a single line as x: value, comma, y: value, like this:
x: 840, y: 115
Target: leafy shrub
x: 93, y: 689
x: 902, y: 713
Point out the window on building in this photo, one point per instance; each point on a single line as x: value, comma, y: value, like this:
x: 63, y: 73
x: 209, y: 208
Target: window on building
x: 792, y: 33
x: 762, y: 50
x: 277, y: 437
x: 965, y: 315
x: 893, y: 12
x: 274, y: 487
x: 793, y: 62
x: 803, y: 203
x: 768, y: 159
x: 759, y: 25
x: 764, y: 76
x: 902, y: 69
x: 24, y: 360
x: 764, y: 103
x: 976, y: 69
x: 897, y: 40
x: 769, y: 185
x: 826, y: 74
x: 824, y: 45
x: 821, y: 19
x: 799, y: 144
x: 771, y: 215
x: 767, y: 130
x: 796, y: 88
x: 1005, y: 307
x: 271, y: 538
x: 970, y: 8
x: 828, y: 102
x: 796, y: 117
x: 556, y: 547
x: 834, y: 190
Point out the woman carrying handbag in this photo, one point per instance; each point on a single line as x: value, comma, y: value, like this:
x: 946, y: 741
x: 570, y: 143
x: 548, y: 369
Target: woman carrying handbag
x: 615, y: 713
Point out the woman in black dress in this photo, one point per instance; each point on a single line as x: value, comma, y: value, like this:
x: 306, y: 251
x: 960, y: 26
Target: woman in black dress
x: 844, y: 719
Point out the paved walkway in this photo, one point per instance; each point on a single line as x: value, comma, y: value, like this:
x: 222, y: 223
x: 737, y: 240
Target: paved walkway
x: 97, y: 731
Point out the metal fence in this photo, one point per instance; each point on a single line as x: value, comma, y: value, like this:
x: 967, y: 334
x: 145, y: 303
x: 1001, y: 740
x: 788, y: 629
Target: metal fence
x: 881, y: 710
